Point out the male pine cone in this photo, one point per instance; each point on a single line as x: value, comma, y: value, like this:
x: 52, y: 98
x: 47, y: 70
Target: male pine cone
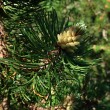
x: 67, y: 40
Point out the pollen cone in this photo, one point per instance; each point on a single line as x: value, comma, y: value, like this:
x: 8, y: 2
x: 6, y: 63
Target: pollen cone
x: 67, y: 40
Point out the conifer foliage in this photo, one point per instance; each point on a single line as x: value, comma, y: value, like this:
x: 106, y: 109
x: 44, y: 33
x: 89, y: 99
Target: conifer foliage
x: 46, y: 61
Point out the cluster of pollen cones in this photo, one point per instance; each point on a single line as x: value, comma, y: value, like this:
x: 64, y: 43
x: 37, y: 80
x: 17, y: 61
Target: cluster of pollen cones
x: 67, y: 40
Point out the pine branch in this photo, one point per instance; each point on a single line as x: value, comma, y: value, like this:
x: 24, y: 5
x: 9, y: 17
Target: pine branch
x: 37, y: 62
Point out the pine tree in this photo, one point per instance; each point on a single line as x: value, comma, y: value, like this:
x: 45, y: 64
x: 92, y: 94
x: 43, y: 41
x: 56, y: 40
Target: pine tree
x: 47, y: 64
